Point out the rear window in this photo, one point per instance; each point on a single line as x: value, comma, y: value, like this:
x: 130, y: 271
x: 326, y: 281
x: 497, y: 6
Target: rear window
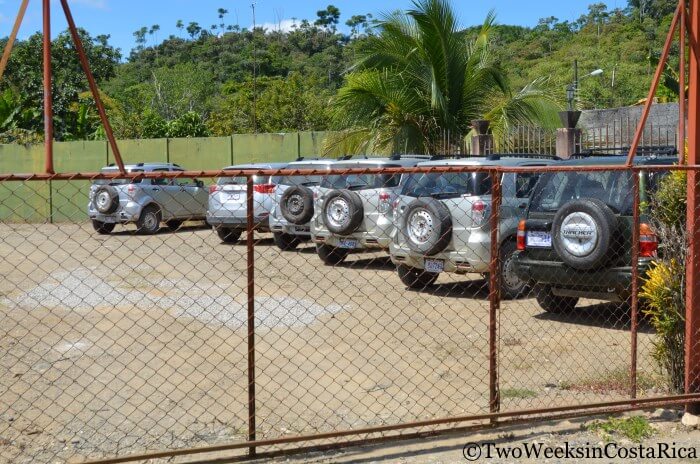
x: 446, y: 185
x: 257, y: 180
x: 554, y: 190
x: 361, y: 181
x: 118, y: 181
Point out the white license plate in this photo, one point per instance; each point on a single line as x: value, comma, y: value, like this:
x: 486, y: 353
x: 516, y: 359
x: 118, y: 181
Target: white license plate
x: 236, y: 196
x: 539, y: 239
x: 300, y: 229
x: 434, y: 265
x: 348, y: 244
x: 110, y: 220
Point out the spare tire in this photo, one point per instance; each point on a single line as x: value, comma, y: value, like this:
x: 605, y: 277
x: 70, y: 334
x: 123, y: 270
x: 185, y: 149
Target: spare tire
x: 427, y: 226
x: 297, y: 204
x: 343, y: 211
x: 582, y: 233
x: 106, y: 199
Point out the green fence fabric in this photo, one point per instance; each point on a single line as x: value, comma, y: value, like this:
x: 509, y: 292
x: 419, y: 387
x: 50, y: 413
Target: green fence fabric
x: 63, y: 201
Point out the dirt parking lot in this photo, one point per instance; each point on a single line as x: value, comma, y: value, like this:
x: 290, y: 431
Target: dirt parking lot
x: 125, y: 343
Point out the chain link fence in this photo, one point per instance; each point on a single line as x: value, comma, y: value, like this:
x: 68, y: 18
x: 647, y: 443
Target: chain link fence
x: 264, y: 309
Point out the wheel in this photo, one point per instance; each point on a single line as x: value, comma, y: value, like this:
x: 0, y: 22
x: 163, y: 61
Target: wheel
x: 106, y: 199
x: 331, y: 255
x: 512, y: 286
x: 149, y: 222
x: 285, y: 242
x: 582, y: 233
x: 343, y: 211
x: 427, y: 226
x: 297, y: 204
x: 228, y: 235
x: 553, y: 303
x: 416, y: 279
x: 102, y: 228
x: 174, y: 224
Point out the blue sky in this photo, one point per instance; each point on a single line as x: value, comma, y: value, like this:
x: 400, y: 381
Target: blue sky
x: 120, y: 18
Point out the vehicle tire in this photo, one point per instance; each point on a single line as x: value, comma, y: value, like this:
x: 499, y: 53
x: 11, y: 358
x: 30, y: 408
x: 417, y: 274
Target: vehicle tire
x: 285, y: 242
x: 343, y: 211
x: 427, y: 226
x: 331, y: 255
x: 553, y: 303
x: 582, y: 233
x: 416, y: 279
x: 174, y: 224
x: 149, y: 222
x: 297, y: 204
x: 228, y: 235
x: 512, y: 286
x: 103, y: 228
x: 106, y: 199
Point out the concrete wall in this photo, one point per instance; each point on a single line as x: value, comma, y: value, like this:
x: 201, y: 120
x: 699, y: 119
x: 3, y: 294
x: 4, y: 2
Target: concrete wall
x: 60, y: 201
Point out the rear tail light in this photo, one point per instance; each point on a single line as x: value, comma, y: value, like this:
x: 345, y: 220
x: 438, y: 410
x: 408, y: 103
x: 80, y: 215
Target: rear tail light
x: 214, y: 188
x: 384, y: 202
x: 520, y: 237
x: 478, y: 211
x: 648, y: 242
x: 264, y: 188
x: 131, y: 188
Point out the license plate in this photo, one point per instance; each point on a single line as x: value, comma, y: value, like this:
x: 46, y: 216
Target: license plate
x: 434, y: 265
x: 539, y: 239
x: 348, y: 244
x: 235, y: 196
x: 110, y: 220
x: 301, y: 229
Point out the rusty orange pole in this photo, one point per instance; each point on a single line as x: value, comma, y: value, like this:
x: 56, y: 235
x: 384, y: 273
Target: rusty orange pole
x: 13, y: 37
x: 48, y: 95
x: 655, y: 84
x: 681, y: 86
x: 692, y: 306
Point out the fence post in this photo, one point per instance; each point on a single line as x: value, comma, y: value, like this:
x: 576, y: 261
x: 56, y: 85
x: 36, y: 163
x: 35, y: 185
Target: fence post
x: 569, y: 136
x: 251, y: 311
x: 494, y: 293
x: 692, y: 305
x: 482, y: 142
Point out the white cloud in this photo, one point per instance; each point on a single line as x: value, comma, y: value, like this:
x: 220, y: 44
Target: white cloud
x: 285, y: 25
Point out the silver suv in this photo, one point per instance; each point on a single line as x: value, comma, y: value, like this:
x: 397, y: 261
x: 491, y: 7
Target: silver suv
x: 354, y: 211
x: 294, y: 204
x: 227, y: 210
x: 146, y: 202
x: 443, y: 222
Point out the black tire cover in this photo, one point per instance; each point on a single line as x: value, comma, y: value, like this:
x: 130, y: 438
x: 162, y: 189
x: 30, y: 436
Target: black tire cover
x: 427, y: 226
x: 111, y: 204
x: 342, y: 211
x: 297, y: 204
x: 582, y: 233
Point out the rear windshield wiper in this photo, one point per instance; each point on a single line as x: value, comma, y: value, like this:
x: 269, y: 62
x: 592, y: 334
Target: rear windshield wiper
x: 445, y: 195
x: 309, y: 184
x: 357, y: 187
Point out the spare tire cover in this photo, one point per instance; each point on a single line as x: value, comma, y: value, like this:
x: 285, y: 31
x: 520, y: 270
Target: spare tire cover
x: 297, y: 204
x: 342, y: 211
x: 427, y: 226
x: 582, y: 233
x: 106, y: 199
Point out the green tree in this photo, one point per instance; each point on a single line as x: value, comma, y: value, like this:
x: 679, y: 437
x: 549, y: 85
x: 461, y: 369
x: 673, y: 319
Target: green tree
x: 222, y: 14
x: 328, y: 18
x: 180, y: 26
x: 194, y: 30
x: 420, y: 78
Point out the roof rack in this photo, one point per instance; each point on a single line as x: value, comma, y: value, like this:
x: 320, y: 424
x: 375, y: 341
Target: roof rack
x: 349, y: 157
x: 497, y: 156
x: 643, y: 150
x: 399, y: 156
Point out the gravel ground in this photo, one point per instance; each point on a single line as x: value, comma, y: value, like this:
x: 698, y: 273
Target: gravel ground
x: 120, y: 344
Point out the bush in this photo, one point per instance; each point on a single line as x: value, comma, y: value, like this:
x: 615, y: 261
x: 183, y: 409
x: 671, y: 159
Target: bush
x: 664, y: 285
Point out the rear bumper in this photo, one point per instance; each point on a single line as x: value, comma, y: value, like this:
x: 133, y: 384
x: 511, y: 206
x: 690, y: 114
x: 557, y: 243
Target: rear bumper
x: 377, y: 238
x: 281, y: 225
x: 614, y: 283
x: 239, y: 222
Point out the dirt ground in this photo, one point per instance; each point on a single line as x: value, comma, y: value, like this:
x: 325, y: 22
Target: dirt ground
x: 112, y: 345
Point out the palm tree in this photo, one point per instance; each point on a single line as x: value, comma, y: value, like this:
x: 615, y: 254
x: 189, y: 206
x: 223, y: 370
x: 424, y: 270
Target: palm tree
x: 421, y: 77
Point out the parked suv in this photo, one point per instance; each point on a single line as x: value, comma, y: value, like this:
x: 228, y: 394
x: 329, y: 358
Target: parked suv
x: 146, y: 202
x: 228, y: 202
x: 353, y: 211
x: 576, y: 240
x: 293, y: 205
x: 443, y: 221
